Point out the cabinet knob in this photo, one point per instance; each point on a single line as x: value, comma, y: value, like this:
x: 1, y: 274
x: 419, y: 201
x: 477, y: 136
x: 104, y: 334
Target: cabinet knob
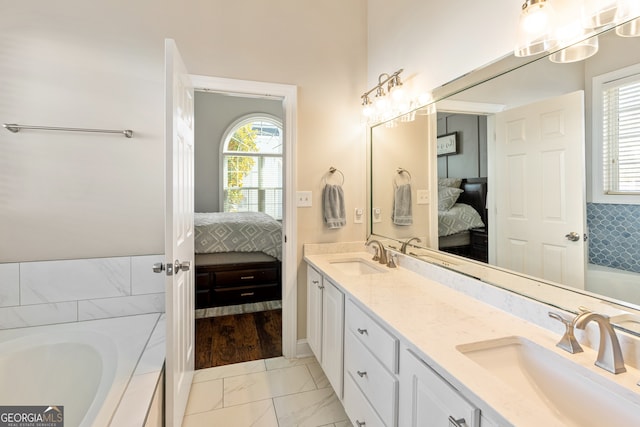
x: 362, y: 331
x: 361, y: 374
x: 315, y: 282
x: 457, y: 423
x: 360, y: 423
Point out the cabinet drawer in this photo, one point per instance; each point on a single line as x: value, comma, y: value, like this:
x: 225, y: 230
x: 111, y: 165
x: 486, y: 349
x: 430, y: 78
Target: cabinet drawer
x: 248, y: 276
x: 380, y: 342
x: 376, y: 383
x: 357, y: 408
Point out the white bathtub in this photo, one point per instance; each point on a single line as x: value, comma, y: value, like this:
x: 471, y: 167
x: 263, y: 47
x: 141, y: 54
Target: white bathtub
x: 614, y: 283
x: 83, y: 366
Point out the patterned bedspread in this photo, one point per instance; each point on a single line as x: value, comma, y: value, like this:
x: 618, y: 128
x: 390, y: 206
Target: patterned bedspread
x: 237, y: 232
x: 459, y: 218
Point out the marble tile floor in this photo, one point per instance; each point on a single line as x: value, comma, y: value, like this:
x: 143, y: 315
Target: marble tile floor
x: 275, y: 392
x: 238, y: 309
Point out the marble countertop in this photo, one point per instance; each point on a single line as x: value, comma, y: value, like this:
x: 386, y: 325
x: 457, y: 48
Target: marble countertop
x: 434, y: 319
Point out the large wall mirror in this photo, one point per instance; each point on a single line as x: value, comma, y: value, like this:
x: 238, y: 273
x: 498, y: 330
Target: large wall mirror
x: 521, y: 145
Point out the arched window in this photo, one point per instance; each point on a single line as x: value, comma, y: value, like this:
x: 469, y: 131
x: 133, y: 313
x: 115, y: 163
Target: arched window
x: 252, y: 166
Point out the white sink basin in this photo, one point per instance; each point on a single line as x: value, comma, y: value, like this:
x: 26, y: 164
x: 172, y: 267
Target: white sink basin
x: 356, y: 267
x: 567, y: 391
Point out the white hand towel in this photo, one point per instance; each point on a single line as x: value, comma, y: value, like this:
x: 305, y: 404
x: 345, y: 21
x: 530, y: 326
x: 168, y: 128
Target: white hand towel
x: 401, y: 214
x: 333, y: 206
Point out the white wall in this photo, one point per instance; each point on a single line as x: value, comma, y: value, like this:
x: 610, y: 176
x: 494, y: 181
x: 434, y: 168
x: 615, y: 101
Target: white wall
x: 436, y: 41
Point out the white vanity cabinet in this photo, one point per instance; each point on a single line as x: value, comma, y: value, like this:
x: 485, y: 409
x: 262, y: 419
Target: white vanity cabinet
x: 325, y: 326
x: 428, y: 400
x: 370, y: 364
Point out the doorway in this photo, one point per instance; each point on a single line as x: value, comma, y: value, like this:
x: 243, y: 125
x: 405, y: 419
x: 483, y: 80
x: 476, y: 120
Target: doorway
x: 265, y: 97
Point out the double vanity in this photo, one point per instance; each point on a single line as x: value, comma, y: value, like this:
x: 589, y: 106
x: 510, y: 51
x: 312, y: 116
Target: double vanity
x: 419, y: 345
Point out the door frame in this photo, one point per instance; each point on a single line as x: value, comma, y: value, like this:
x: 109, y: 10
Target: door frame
x: 289, y: 96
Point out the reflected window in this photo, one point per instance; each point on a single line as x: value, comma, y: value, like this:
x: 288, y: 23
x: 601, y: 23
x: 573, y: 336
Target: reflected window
x: 618, y: 137
x: 252, y: 166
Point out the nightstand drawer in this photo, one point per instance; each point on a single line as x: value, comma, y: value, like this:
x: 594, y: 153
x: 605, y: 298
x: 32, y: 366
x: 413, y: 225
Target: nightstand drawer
x: 248, y: 276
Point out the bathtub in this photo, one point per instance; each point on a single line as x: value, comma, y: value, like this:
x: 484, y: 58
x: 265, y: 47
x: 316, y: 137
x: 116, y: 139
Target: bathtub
x: 613, y: 283
x: 84, y: 366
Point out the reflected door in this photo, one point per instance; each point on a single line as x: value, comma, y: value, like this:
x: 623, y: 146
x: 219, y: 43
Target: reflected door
x: 540, y: 194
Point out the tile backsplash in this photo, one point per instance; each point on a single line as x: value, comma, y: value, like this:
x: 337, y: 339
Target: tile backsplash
x: 46, y: 292
x: 614, y: 235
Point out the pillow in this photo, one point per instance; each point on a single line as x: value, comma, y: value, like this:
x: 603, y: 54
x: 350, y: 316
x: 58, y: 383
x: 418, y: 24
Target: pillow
x: 449, y: 182
x: 447, y: 197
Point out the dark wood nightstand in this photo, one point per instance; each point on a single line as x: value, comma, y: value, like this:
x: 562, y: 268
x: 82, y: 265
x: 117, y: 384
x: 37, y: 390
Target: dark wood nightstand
x: 479, y: 244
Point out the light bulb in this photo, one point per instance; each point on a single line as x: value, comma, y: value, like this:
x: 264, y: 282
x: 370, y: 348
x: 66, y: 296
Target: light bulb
x: 535, y: 31
x: 367, y: 110
x: 597, y: 13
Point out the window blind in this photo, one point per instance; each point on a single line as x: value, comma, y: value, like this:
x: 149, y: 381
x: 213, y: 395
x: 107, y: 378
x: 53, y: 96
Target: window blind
x: 621, y: 136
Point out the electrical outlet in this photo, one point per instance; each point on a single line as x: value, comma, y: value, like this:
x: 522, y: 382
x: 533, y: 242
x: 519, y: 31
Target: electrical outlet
x: 377, y: 215
x: 423, y: 197
x: 304, y: 199
x: 357, y: 216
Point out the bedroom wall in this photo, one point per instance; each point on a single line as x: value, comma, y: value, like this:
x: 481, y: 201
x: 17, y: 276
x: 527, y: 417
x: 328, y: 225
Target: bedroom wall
x: 471, y: 160
x: 214, y: 114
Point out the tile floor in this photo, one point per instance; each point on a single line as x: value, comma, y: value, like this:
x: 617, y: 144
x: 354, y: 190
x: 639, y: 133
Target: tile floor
x: 264, y: 393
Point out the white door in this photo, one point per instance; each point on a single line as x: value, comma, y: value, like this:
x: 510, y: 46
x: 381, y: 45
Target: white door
x: 539, y: 189
x: 178, y: 234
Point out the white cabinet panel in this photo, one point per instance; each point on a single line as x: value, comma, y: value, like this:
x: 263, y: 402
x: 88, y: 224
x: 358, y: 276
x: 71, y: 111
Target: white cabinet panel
x: 358, y: 409
x: 380, y: 342
x: 333, y: 335
x: 378, y: 385
x: 325, y: 326
x: 314, y: 312
x: 427, y: 400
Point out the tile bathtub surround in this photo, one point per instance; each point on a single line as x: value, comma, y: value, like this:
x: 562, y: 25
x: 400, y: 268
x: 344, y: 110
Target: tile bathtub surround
x: 47, y: 292
x: 274, y: 392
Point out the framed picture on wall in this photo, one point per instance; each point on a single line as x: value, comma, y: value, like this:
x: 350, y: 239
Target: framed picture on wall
x: 447, y: 144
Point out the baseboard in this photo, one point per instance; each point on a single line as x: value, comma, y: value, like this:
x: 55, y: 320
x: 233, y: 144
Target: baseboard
x: 303, y: 349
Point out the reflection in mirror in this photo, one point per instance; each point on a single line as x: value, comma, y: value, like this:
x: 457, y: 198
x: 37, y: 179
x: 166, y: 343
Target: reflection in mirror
x: 535, y: 136
x: 400, y: 202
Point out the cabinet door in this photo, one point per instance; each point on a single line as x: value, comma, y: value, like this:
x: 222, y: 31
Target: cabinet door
x: 333, y: 335
x: 427, y: 400
x: 314, y: 312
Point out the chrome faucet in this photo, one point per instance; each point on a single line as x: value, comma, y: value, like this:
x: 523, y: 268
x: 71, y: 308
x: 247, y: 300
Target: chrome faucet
x: 609, y: 351
x: 382, y: 253
x: 568, y: 341
x: 403, y: 248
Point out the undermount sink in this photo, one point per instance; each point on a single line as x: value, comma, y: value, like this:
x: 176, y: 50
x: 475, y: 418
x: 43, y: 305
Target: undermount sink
x: 566, y: 390
x: 356, y: 267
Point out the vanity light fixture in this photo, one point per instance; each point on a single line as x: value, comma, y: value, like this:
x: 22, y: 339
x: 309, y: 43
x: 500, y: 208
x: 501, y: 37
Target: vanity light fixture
x: 536, y: 28
x: 384, y: 104
x: 565, y: 26
x: 629, y: 9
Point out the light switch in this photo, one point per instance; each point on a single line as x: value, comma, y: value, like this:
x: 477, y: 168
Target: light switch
x: 304, y: 199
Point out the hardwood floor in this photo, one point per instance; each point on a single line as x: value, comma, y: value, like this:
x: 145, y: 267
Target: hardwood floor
x: 238, y: 338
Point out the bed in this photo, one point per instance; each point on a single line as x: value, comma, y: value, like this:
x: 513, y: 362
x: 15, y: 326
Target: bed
x: 462, y: 216
x: 238, y: 258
